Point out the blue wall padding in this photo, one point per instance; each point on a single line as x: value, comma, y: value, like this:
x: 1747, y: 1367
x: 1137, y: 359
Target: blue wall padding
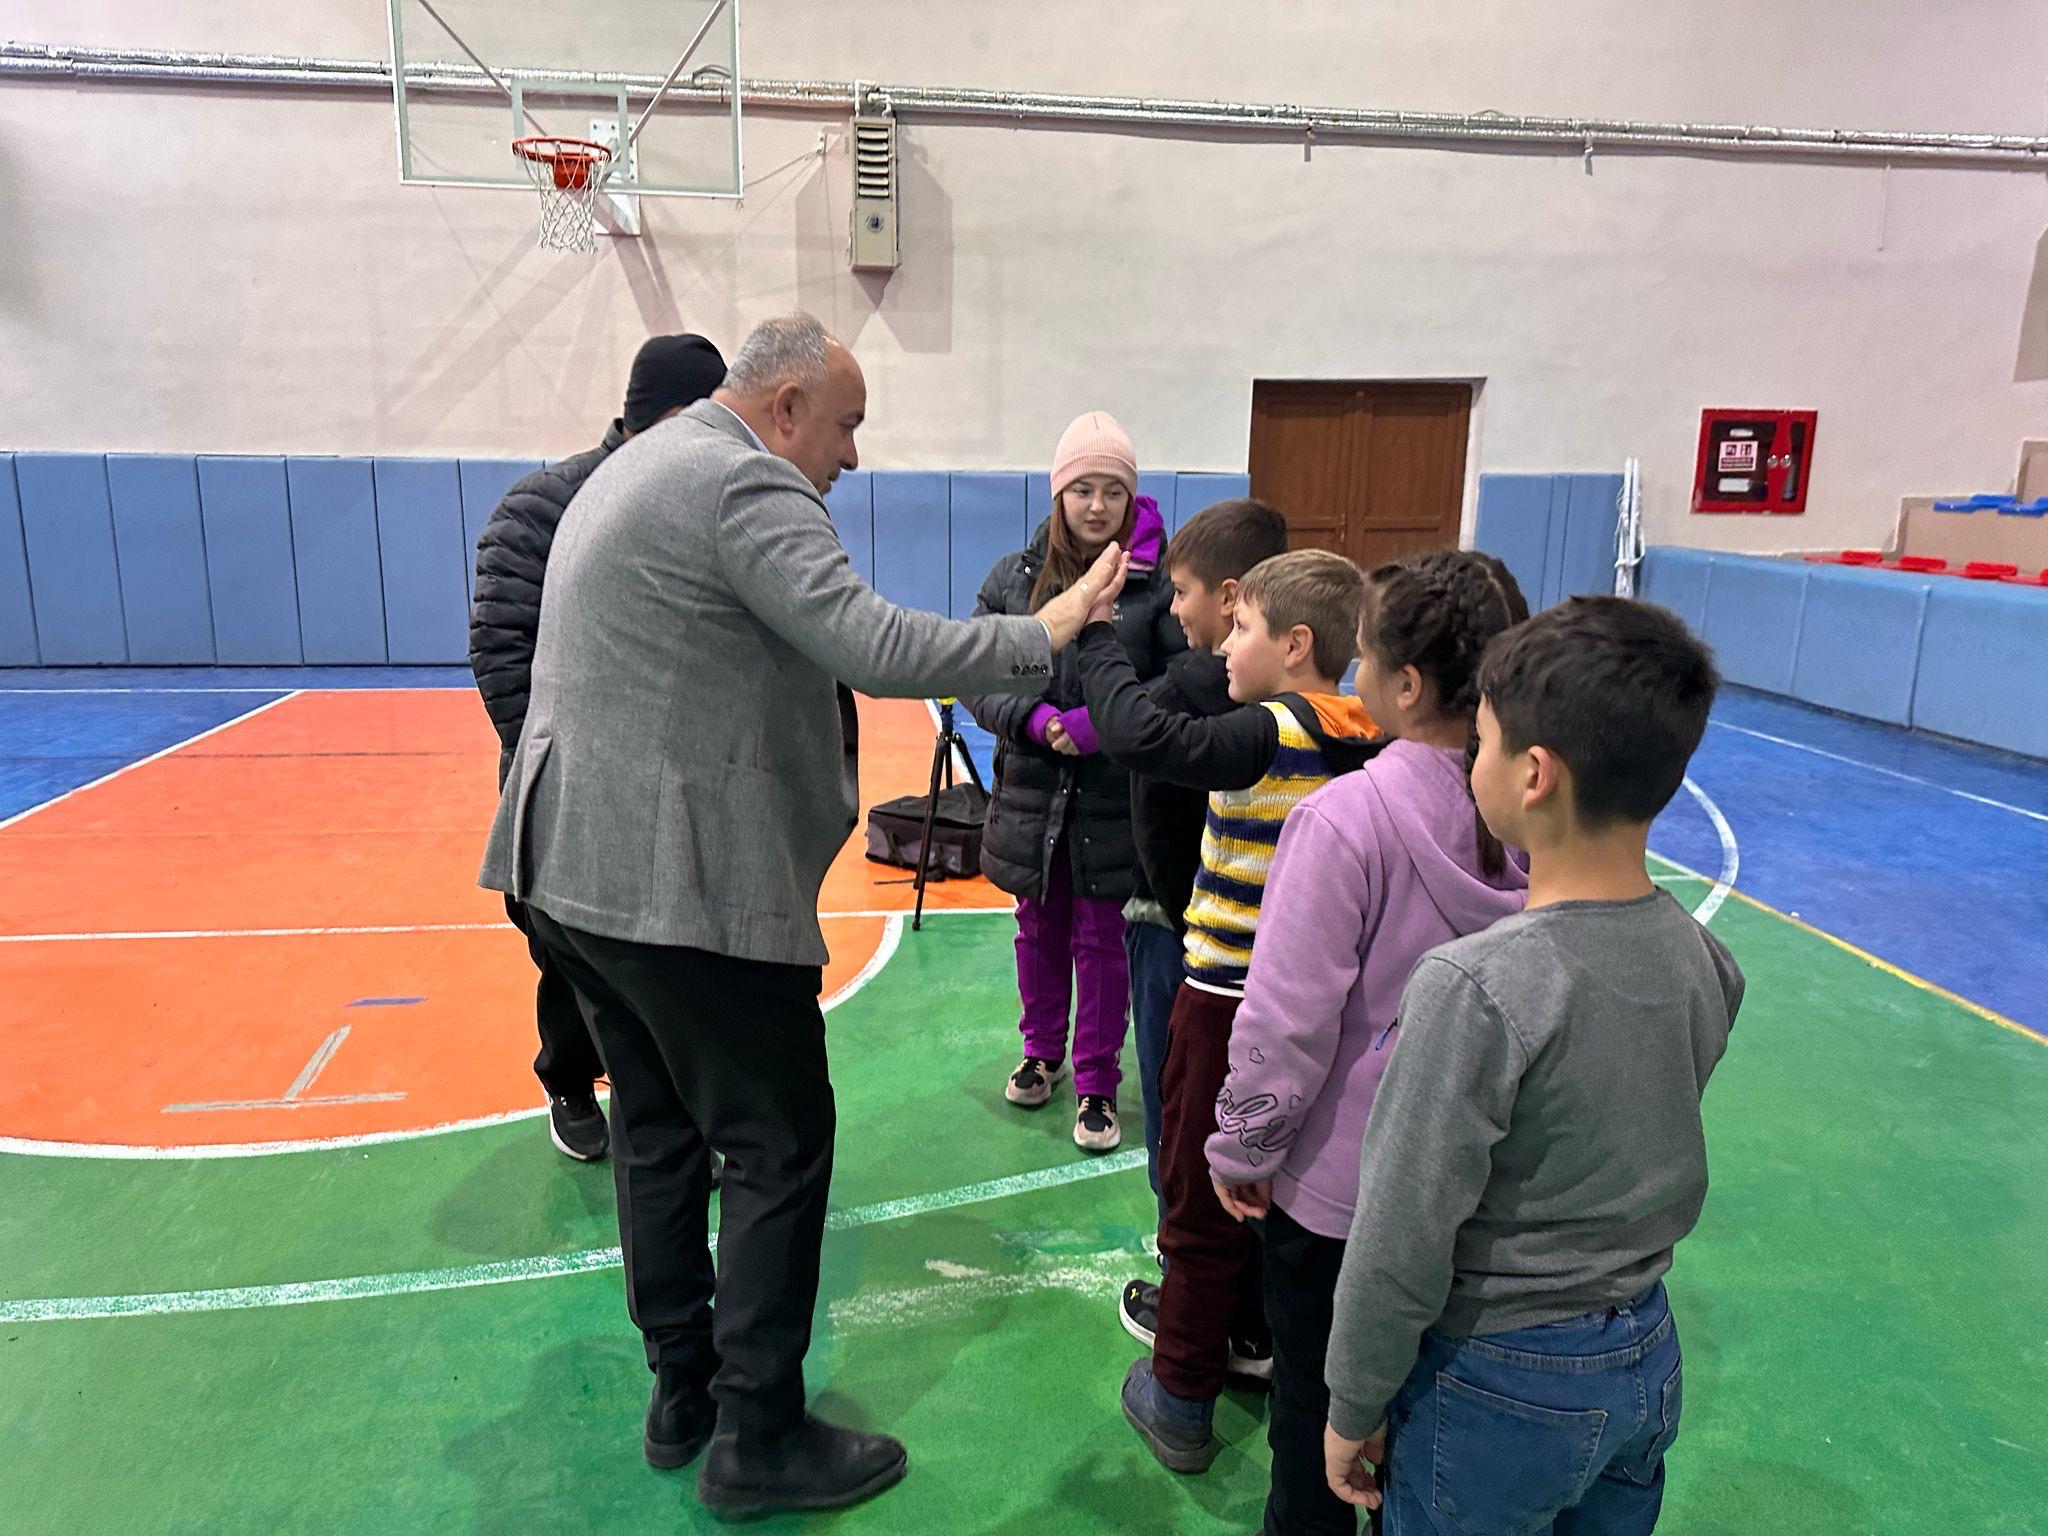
x: 913, y: 563
x: 1586, y: 563
x: 422, y: 556
x: 246, y: 510
x: 68, y: 530
x: 987, y: 523
x: 1678, y: 579
x: 17, y: 607
x: 1514, y: 526
x: 161, y: 546
x: 1984, y: 665
x: 1859, y: 641
x: 1194, y: 490
x: 484, y: 484
x: 1163, y: 486
x: 1962, y: 658
x: 1555, y: 532
x: 852, y: 505
x: 334, y: 548
x: 1754, y: 607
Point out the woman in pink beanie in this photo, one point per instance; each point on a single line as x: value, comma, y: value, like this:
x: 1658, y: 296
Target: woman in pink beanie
x: 1059, y: 826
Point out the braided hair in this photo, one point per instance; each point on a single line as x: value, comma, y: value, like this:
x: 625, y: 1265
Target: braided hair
x: 1437, y: 613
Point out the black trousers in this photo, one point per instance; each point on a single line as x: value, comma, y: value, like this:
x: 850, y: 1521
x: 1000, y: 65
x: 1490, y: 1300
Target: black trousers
x: 568, y: 1061
x: 1301, y: 1290
x: 705, y: 1051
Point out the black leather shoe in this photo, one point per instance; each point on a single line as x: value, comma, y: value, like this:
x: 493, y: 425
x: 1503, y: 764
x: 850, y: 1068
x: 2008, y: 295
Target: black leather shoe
x: 680, y: 1420
x: 818, y: 1466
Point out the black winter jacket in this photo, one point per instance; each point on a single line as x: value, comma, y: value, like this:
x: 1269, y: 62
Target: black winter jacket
x: 1167, y: 818
x: 1041, y: 794
x: 511, y: 562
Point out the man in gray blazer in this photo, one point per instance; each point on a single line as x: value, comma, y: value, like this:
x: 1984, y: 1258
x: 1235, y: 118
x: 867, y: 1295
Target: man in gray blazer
x: 685, y: 777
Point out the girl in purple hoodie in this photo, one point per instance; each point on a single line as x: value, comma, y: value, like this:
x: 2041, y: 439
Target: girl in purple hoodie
x: 1371, y: 872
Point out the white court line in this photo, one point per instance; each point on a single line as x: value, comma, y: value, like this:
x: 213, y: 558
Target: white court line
x: 1731, y: 855
x: 143, y: 762
x: 51, y: 1309
x: 892, y: 935
x: 25, y: 1146
x: 1890, y: 773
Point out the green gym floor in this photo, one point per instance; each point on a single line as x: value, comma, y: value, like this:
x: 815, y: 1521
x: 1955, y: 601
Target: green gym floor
x: 427, y: 1334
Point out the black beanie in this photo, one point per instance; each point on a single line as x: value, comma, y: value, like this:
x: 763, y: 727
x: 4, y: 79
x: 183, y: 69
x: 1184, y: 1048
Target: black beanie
x: 670, y: 371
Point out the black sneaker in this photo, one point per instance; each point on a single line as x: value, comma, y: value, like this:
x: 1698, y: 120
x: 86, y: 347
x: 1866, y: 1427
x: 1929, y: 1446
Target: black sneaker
x: 1251, y: 1359
x: 576, y: 1126
x: 1139, y: 1312
x: 1031, y: 1084
x: 1095, y: 1127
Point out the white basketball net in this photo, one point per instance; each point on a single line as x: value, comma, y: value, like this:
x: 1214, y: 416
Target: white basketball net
x: 570, y: 175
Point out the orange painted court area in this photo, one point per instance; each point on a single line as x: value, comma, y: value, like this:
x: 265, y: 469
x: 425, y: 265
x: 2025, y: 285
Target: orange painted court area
x: 153, y: 951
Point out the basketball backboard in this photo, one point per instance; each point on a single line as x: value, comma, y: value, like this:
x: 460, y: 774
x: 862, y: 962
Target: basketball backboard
x: 471, y: 76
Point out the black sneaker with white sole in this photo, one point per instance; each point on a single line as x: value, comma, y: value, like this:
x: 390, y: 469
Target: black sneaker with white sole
x: 1251, y: 1359
x: 1139, y: 1312
x: 577, y: 1126
x: 1032, y: 1083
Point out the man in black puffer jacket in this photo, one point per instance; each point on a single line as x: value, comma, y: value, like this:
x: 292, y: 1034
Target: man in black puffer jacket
x: 669, y: 373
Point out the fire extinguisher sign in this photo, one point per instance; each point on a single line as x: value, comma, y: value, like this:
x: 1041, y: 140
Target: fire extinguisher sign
x: 1738, y: 456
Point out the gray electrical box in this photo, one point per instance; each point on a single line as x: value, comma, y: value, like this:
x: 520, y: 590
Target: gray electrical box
x: 874, y: 246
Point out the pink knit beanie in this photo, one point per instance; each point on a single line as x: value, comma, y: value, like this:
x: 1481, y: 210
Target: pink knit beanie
x: 1094, y: 444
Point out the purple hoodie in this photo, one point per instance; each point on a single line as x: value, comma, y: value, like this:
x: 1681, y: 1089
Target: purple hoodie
x: 1372, y: 871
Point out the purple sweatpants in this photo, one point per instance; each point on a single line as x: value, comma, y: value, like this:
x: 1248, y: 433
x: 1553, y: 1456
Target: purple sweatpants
x: 1068, y: 944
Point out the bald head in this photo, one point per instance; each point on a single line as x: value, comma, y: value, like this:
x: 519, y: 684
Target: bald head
x: 802, y: 393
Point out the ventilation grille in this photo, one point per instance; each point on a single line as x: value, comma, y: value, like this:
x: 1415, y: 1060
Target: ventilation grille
x: 874, y: 157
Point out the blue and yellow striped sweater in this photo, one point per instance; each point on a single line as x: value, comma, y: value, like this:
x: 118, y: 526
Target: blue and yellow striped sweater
x: 1243, y: 829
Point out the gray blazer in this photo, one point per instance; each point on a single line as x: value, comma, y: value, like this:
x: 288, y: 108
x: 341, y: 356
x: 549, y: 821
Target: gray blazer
x: 687, y: 769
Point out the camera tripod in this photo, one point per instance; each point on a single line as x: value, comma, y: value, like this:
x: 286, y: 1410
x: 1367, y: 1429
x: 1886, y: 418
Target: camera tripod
x: 943, y: 751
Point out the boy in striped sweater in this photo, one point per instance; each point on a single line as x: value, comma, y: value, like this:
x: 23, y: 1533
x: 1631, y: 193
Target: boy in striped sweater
x: 1293, y: 634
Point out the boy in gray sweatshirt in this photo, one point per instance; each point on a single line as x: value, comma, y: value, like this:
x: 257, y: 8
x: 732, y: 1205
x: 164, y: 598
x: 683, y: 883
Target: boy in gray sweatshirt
x: 1503, y: 1352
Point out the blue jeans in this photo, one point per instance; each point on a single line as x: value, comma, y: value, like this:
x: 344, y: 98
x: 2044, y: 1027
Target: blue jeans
x: 1155, y: 959
x: 1553, y: 1431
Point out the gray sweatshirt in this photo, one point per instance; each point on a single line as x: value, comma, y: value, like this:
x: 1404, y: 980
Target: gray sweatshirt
x: 1535, y: 1150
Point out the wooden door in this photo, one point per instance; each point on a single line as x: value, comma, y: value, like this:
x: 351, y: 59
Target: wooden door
x: 1371, y: 469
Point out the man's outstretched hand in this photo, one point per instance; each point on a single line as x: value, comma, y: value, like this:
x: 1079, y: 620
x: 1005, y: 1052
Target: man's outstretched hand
x: 1092, y: 597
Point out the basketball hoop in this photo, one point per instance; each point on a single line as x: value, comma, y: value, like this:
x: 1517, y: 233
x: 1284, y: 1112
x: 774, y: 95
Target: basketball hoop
x: 568, y: 174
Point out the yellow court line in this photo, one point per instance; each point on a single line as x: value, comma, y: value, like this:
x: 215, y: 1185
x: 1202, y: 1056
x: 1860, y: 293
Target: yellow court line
x: 1990, y: 1015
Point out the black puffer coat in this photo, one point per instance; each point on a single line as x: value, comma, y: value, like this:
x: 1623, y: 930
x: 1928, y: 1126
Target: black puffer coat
x: 1040, y: 793
x: 511, y: 562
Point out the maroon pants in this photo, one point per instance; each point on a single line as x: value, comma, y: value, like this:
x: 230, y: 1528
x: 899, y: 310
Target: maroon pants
x: 1210, y: 1292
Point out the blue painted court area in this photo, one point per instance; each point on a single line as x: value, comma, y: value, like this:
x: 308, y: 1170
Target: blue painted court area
x: 63, y: 727
x: 1927, y: 854
x: 52, y: 743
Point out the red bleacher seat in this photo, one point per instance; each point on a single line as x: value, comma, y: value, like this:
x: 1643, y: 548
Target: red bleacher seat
x: 1989, y: 570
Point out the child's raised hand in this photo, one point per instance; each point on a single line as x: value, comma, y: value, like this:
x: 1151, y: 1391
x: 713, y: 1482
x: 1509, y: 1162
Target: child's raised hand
x: 1099, y: 585
x: 1104, y: 608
